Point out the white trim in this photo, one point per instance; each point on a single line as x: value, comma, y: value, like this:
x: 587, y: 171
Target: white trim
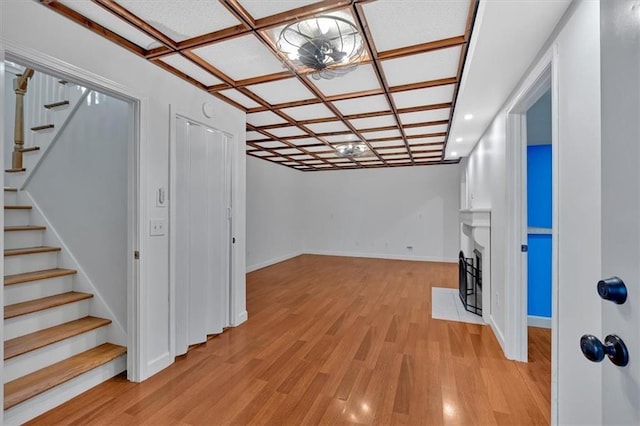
x: 536, y: 321
x: 496, y: 331
x: 539, y: 231
x: 272, y: 261
x: 555, y: 231
x: 382, y: 256
x: 2, y: 113
x: 535, y: 85
x: 136, y: 309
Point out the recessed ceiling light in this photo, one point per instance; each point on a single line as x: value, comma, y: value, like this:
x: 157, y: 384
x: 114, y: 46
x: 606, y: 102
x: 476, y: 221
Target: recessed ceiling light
x: 454, y: 154
x: 459, y: 139
x: 468, y: 116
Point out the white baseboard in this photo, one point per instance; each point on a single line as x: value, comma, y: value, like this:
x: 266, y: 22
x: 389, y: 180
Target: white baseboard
x: 497, y: 332
x: 382, y: 256
x: 272, y: 261
x: 244, y: 316
x: 536, y: 321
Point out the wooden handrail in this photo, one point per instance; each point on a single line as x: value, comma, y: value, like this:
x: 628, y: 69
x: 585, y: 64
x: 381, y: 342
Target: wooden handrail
x: 20, y: 88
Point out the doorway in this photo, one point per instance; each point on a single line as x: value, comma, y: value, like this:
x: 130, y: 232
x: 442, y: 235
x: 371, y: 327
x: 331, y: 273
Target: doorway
x: 539, y: 212
x: 201, y: 223
x: 79, y: 175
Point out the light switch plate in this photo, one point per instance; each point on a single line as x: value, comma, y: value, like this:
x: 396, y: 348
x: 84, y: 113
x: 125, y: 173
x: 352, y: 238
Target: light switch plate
x: 157, y: 227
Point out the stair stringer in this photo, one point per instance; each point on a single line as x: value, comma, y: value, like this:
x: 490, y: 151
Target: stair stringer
x: 116, y: 332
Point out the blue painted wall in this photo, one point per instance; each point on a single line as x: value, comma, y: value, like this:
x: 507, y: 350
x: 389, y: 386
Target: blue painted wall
x: 539, y: 211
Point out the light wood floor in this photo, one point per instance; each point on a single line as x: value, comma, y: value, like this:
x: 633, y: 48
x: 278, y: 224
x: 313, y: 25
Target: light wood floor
x: 335, y: 340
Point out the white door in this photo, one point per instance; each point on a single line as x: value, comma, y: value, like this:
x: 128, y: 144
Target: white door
x: 202, y: 233
x: 620, y: 73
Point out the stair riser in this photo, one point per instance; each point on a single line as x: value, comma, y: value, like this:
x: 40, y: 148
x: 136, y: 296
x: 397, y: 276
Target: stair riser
x: 30, y: 262
x: 44, y: 357
x: 25, y: 324
x: 37, y: 405
x: 21, y: 239
x: 31, y: 290
x: 16, y: 217
x: 10, y: 198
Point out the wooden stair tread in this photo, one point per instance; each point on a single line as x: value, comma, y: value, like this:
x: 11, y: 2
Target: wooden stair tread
x: 15, y: 170
x: 36, y: 305
x: 8, y: 189
x: 18, y: 207
x: 24, y: 228
x: 30, y: 342
x: 30, y: 250
x: 33, y: 384
x: 43, y: 127
x: 56, y: 104
x: 25, y: 277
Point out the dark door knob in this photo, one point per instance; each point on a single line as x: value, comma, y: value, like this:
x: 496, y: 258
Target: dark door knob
x: 613, y: 289
x: 613, y: 347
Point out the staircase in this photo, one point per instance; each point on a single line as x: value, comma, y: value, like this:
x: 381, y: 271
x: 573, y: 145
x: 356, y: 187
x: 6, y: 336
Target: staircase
x: 54, y: 349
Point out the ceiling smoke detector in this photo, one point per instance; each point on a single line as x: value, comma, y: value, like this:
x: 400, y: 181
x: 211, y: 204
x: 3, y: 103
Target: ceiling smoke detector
x: 329, y: 45
x: 351, y: 149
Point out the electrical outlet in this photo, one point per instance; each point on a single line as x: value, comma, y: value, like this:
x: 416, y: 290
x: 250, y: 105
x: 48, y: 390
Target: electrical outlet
x: 157, y: 227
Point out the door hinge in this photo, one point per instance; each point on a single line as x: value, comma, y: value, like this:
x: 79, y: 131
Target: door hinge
x: 136, y: 255
x: 524, y: 248
x: 233, y: 240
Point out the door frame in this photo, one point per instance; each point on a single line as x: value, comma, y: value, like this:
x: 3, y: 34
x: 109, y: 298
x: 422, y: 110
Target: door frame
x: 543, y: 77
x: 229, y: 155
x: 136, y: 283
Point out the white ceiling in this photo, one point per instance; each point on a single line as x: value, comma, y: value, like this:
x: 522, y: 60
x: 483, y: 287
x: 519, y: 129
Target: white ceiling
x: 507, y: 36
x: 405, y: 93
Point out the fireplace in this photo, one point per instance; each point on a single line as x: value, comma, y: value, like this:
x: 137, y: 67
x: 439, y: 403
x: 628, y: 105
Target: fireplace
x: 470, y: 281
x: 475, y: 241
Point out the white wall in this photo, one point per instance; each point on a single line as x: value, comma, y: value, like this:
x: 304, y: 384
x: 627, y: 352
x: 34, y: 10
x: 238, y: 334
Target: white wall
x: 368, y: 213
x: 33, y: 32
x: 578, y: 77
x: 81, y: 187
x: 379, y: 212
x: 275, y: 196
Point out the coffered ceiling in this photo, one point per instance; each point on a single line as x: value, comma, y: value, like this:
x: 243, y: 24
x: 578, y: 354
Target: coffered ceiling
x: 399, y: 100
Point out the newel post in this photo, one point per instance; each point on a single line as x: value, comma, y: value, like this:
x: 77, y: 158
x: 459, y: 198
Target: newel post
x: 20, y: 88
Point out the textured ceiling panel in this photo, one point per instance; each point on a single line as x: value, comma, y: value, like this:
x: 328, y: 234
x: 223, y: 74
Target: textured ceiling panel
x: 277, y: 92
x: 395, y: 24
x: 179, y: 22
x: 428, y: 66
x: 429, y: 96
x: 240, y: 98
x: 372, y: 122
x: 100, y: 16
x: 301, y: 103
x: 361, y: 105
x: 264, y: 118
x: 192, y: 70
x: 425, y: 116
x: 308, y: 112
x: 241, y: 58
x: 262, y: 8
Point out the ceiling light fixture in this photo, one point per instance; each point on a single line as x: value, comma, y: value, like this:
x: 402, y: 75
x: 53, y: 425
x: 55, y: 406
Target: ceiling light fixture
x: 468, y: 116
x: 459, y: 139
x: 350, y: 149
x: 328, y: 45
x: 454, y: 154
